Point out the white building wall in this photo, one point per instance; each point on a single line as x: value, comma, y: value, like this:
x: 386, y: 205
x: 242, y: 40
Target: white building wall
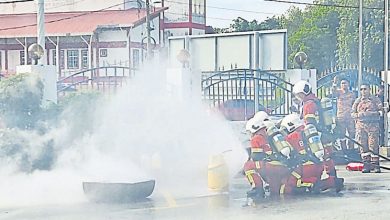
x: 198, y: 31
x: 113, y: 36
x: 177, y: 31
x: 139, y: 32
x: 115, y: 57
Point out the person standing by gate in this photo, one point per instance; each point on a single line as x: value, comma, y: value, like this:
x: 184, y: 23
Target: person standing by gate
x: 367, y: 111
x: 344, y: 122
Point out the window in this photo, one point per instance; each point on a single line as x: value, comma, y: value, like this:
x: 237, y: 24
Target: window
x: 62, y: 59
x: 135, y: 58
x: 73, y: 59
x: 103, y: 52
x: 22, y: 57
x: 54, y: 61
x: 84, y: 59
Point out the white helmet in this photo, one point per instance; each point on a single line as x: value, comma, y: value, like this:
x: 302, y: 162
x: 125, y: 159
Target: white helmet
x: 257, y: 122
x: 253, y: 125
x: 262, y: 115
x: 292, y: 122
x: 302, y: 87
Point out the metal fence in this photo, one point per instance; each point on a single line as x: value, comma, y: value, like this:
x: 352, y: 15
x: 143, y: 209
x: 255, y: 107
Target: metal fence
x: 239, y: 91
x: 106, y: 79
x: 325, y: 79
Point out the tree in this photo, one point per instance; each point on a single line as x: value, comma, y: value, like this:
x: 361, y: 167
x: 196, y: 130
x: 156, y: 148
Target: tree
x: 328, y: 35
x: 20, y: 100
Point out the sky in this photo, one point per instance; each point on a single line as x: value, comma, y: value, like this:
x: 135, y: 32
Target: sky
x: 260, y: 10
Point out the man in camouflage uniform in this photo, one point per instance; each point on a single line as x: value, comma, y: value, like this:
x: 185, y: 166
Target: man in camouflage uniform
x: 344, y: 122
x: 367, y: 111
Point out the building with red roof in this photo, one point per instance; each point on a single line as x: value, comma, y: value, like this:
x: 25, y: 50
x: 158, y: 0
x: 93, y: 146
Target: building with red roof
x: 78, y: 40
x: 103, y: 36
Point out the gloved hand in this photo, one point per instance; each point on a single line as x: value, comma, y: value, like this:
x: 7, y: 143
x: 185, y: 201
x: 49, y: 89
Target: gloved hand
x: 354, y: 115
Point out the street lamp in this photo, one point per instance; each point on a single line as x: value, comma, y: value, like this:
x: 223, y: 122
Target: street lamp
x: 300, y: 58
x: 386, y: 73
x: 360, y: 67
x: 36, y: 52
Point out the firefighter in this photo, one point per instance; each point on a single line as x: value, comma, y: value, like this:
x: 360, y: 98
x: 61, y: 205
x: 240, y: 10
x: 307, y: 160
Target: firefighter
x: 367, y: 111
x: 313, y: 113
x: 308, y: 156
x: 259, y: 147
x: 262, y: 165
x: 344, y: 122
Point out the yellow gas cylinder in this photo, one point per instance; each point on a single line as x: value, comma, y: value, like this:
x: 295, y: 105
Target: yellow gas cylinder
x: 218, y: 173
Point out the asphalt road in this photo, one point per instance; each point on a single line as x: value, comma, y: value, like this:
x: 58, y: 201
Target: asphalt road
x: 366, y: 196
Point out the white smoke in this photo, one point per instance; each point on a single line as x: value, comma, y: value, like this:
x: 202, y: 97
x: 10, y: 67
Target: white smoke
x: 141, y: 133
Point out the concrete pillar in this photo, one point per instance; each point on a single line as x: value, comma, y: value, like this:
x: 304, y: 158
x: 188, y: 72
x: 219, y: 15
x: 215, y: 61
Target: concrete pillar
x: 49, y: 80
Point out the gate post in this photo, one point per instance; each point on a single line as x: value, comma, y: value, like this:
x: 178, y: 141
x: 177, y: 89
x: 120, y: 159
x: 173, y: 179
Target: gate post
x: 256, y: 59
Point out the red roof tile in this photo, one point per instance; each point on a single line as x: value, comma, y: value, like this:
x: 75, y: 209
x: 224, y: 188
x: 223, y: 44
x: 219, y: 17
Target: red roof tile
x: 74, y: 23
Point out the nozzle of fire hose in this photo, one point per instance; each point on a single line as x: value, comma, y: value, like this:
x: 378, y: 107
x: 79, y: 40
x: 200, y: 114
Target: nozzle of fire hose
x: 354, y: 167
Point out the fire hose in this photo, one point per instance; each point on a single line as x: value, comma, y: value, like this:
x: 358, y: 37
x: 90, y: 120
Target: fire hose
x: 360, y: 145
x: 360, y: 161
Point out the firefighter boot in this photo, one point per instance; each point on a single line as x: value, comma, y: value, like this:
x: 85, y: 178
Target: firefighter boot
x: 339, y: 184
x: 366, y: 162
x: 255, y: 193
x: 375, y: 164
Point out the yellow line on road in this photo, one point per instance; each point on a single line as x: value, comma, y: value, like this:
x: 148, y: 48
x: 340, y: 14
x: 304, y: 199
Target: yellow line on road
x: 169, y: 198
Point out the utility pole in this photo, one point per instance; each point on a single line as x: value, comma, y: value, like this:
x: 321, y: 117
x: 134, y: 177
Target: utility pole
x: 149, y: 53
x: 360, y: 70
x: 41, y: 30
x: 386, y: 73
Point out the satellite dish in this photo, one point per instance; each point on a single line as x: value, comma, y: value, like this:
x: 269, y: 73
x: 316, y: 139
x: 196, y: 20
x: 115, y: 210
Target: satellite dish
x: 35, y: 52
x: 300, y: 58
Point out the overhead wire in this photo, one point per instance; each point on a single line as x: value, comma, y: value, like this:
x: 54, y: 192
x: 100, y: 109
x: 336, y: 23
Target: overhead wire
x: 223, y: 8
x: 321, y: 4
x: 66, y: 18
x: 15, y: 1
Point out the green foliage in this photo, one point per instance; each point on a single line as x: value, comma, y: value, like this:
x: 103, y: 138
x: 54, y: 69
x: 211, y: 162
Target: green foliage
x: 20, y: 100
x: 240, y: 24
x: 348, y: 38
x: 328, y: 35
x: 24, y: 141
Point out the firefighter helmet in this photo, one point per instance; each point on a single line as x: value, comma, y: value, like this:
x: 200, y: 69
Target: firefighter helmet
x: 254, y: 124
x: 302, y: 87
x: 262, y: 115
x: 257, y: 122
x: 292, y: 122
